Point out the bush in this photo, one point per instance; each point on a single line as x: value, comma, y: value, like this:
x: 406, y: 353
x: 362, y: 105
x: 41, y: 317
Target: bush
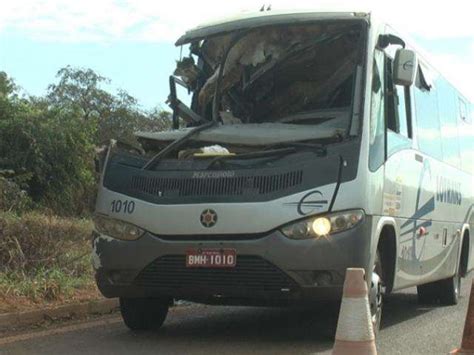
x: 12, y: 197
x: 43, y: 258
x: 55, y: 152
x: 36, y: 241
x: 50, y: 141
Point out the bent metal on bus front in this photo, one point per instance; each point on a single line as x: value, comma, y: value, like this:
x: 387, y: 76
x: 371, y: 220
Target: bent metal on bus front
x: 313, y: 142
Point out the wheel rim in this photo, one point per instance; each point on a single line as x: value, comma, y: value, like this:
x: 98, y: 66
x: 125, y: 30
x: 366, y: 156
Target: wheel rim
x: 457, y: 285
x: 376, y: 300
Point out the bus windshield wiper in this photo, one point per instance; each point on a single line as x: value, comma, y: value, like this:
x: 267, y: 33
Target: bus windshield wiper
x: 286, y: 148
x: 317, y: 147
x: 176, y: 144
x: 305, y: 117
x: 320, y: 115
x: 254, y: 155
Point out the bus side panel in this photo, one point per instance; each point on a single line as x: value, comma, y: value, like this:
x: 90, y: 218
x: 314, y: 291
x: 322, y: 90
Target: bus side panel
x: 425, y: 198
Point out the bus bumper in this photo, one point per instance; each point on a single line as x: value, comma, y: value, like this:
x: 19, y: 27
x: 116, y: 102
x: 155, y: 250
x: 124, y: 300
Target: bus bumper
x: 270, y: 269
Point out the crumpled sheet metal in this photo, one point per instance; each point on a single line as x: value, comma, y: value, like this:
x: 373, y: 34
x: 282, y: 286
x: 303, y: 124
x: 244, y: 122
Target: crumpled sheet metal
x: 273, y: 61
x: 252, y: 50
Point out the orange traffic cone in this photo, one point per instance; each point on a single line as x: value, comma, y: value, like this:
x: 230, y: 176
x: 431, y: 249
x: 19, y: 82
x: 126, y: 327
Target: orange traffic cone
x: 467, y: 344
x: 354, y: 334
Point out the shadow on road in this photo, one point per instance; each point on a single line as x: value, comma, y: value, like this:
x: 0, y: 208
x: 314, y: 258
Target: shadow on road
x: 258, y: 329
x: 201, y: 329
x: 252, y: 329
x: 400, y: 307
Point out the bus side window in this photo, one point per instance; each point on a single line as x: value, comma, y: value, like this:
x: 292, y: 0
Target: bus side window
x: 397, y: 104
x: 463, y: 111
x: 397, y: 113
x: 466, y: 134
x: 450, y: 125
x: 377, y: 114
x: 427, y: 117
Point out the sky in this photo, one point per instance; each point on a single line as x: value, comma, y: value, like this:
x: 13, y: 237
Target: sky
x: 132, y: 41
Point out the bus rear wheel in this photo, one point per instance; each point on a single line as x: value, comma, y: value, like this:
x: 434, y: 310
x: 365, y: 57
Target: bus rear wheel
x: 427, y: 293
x: 445, y: 291
x: 144, y: 313
x: 450, y: 289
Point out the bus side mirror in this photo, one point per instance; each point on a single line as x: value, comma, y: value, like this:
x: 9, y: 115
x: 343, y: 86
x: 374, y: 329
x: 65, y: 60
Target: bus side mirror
x: 405, y: 66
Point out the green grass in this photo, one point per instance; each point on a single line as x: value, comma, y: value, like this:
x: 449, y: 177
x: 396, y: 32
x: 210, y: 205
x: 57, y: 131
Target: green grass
x: 44, y: 258
x: 42, y: 286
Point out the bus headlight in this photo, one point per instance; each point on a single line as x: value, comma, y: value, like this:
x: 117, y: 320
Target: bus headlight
x: 324, y: 225
x: 117, y: 229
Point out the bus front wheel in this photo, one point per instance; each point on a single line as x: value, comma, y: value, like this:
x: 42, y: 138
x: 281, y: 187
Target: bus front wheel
x: 144, y: 313
x: 376, y: 293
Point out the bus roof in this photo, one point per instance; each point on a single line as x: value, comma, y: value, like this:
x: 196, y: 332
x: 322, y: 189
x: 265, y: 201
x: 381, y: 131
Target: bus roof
x: 263, y: 18
x: 248, y: 20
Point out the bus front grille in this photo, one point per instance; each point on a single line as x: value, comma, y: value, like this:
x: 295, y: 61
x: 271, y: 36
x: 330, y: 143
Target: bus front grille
x: 251, y: 273
x: 224, y: 186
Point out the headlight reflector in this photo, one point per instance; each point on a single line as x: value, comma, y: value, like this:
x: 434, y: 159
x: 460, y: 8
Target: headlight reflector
x: 117, y: 229
x: 323, y: 226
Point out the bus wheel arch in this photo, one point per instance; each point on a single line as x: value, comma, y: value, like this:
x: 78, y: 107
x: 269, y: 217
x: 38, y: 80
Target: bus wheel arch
x: 382, y: 272
x: 387, y: 251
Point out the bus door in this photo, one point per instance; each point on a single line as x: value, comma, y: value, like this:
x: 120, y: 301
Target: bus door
x: 405, y: 174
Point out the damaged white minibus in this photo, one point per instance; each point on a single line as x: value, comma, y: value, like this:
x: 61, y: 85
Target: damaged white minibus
x: 313, y: 142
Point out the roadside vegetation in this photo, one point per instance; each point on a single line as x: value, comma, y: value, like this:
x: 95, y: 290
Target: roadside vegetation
x: 48, y: 181
x: 44, y: 258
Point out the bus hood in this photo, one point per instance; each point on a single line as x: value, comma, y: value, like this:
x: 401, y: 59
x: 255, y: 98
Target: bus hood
x: 253, y: 134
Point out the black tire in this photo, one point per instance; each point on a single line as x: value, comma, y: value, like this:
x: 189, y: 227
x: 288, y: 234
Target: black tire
x: 445, y: 291
x: 144, y: 313
x: 376, y: 296
x: 427, y: 294
x: 450, y: 289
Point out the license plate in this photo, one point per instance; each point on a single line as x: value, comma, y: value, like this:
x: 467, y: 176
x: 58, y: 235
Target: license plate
x: 211, y: 258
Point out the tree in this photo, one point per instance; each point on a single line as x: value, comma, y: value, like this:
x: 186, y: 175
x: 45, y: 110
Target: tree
x: 79, y: 89
x: 116, y: 116
x: 9, y: 99
x: 49, y: 142
x: 49, y: 152
x: 7, y: 86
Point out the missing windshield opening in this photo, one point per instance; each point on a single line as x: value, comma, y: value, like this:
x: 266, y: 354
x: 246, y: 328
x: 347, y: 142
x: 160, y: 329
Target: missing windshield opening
x: 272, y: 73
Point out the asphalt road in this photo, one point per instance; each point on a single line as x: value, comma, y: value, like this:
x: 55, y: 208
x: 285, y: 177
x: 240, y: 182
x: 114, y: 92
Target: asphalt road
x: 407, y: 328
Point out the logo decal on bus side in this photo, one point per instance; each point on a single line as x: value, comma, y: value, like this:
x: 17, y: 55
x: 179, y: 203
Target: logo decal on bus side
x: 448, y: 191
x: 425, y: 204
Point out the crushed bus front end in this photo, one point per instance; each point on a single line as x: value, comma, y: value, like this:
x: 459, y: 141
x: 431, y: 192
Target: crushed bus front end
x: 271, y: 218
x: 236, y: 205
